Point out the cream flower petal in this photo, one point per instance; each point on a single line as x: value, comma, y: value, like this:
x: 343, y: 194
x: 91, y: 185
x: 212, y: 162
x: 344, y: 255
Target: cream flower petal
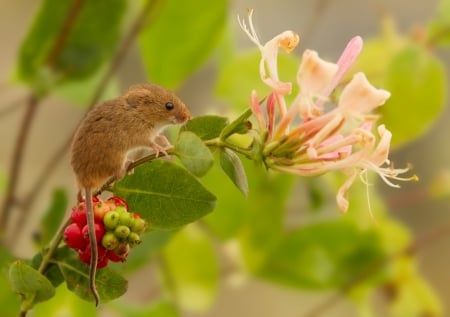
x: 360, y: 97
x: 314, y: 74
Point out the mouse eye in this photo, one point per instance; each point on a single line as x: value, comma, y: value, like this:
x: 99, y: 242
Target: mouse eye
x: 169, y: 106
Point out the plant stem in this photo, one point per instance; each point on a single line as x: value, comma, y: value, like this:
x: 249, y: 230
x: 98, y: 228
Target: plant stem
x: 236, y: 148
x: 47, y: 256
x: 16, y: 162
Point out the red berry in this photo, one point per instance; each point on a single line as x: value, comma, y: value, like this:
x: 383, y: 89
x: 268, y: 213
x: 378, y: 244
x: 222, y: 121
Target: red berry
x: 73, y: 237
x: 118, y: 201
x: 99, y: 232
x: 78, y: 216
x: 102, y: 262
x: 100, y: 209
x: 122, y: 250
x: 85, y: 256
x: 116, y: 258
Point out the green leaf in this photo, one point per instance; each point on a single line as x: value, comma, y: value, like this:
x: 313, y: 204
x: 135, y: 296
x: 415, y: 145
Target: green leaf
x: 65, y: 304
x: 166, y: 195
x: 53, y: 216
x: 52, y: 273
x: 32, y: 286
x: 191, y: 263
x: 417, y: 81
x: 180, y: 39
x: 193, y: 153
x: 438, y: 33
x: 232, y: 166
x: 206, y: 127
x: 79, y: 93
x: 323, y: 255
x: 89, y: 43
x: 9, y: 302
x: 161, y: 308
x: 110, y: 285
x: 265, y: 209
x: 229, y: 214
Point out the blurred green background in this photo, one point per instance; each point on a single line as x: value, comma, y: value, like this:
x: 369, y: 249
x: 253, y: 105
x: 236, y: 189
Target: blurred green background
x: 324, y: 26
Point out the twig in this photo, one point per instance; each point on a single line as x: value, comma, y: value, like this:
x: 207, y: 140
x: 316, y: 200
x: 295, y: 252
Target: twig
x: 33, y: 101
x: 64, y: 33
x: 114, y: 65
x: 418, y: 244
x: 16, y: 161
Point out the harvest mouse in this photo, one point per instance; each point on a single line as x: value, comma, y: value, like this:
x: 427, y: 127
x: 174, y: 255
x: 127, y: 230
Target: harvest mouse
x: 109, y: 133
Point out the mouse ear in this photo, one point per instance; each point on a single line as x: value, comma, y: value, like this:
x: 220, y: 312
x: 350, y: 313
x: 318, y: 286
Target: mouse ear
x: 134, y: 98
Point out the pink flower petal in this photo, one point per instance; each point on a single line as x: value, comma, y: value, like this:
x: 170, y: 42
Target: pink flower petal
x: 345, y: 62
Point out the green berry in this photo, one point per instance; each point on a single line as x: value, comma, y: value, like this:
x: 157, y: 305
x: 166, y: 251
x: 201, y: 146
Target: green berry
x: 139, y: 225
x: 126, y: 219
x: 121, y: 209
x: 111, y: 220
x: 122, y: 232
x: 110, y: 241
x: 134, y: 239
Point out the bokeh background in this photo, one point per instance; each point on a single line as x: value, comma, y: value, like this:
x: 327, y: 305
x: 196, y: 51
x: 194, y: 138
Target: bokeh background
x: 324, y: 26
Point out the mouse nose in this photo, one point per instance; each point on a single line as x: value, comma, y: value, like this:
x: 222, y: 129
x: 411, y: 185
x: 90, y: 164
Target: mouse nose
x: 186, y: 116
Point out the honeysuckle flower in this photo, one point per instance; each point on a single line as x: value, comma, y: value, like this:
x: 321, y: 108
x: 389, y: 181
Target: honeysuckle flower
x: 306, y: 138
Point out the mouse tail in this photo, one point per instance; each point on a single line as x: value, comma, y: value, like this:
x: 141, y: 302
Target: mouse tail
x: 93, y: 244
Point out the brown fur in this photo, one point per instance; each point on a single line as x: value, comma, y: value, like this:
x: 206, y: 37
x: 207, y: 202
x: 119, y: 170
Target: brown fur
x: 114, y: 127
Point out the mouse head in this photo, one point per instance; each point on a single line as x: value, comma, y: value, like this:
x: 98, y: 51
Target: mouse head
x: 156, y: 105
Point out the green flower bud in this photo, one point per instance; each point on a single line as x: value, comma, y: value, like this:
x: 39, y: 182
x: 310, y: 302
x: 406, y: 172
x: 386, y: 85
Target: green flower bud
x: 122, y: 231
x: 111, y: 220
x: 110, y: 241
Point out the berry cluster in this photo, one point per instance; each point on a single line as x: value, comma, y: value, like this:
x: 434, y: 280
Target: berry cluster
x: 116, y: 230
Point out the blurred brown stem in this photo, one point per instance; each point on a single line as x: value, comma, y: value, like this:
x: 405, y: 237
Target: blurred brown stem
x: 114, y: 65
x: 419, y: 243
x: 16, y: 160
x: 33, y: 101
